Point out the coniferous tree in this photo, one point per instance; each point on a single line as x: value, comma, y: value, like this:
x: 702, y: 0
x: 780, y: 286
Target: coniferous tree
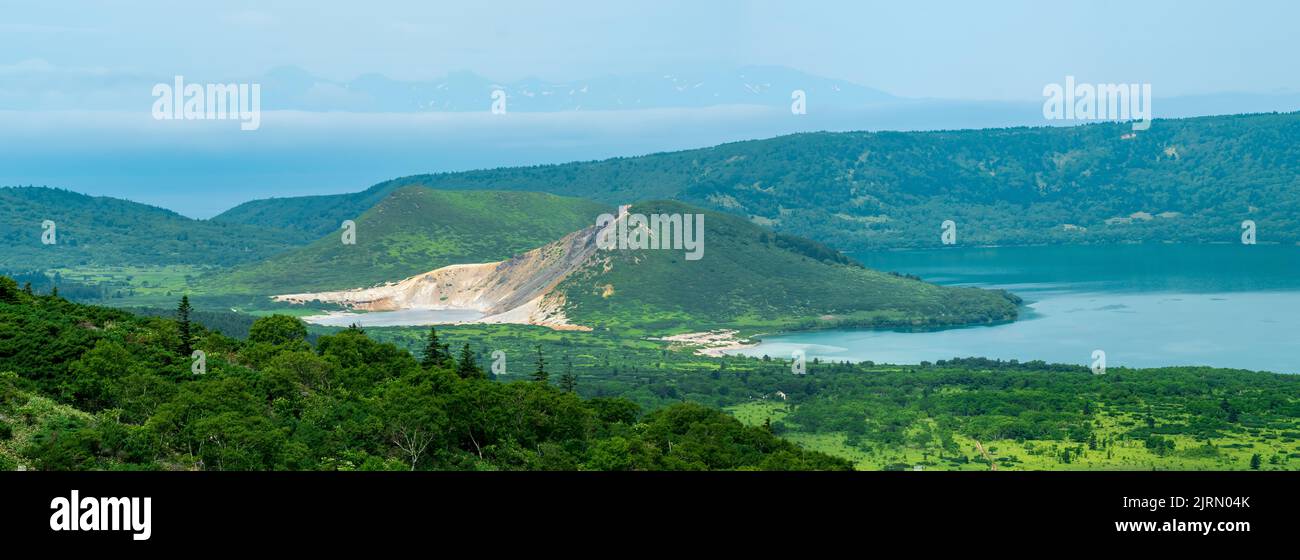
x: 27, y: 288
x: 187, y: 332
x: 435, y: 353
x: 540, y: 374
x: 466, y: 366
x: 568, y: 381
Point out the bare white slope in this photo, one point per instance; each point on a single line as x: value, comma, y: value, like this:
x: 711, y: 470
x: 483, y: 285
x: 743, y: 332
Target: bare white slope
x: 518, y: 290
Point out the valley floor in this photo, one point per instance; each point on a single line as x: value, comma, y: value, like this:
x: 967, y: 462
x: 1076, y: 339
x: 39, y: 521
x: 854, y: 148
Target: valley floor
x: 1191, y: 453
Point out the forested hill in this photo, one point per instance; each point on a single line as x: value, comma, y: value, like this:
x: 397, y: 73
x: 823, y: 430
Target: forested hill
x: 417, y: 230
x: 750, y: 277
x: 89, y: 230
x: 1184, y: 180
x: 85, y: 388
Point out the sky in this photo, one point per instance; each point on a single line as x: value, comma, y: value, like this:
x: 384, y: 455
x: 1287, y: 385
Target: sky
x: 68, y: 55
x: 915, y: 48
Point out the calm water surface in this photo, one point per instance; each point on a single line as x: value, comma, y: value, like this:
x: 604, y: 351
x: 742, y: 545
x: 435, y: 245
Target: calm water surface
x: 405, y: 317
x: 1144, y: 305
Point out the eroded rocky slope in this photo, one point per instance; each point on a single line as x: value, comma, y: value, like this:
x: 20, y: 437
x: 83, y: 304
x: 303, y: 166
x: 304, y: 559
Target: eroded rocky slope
x: 517, y: 290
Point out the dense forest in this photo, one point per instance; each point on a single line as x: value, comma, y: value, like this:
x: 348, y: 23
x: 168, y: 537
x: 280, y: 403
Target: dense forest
x: 88, y: 230
x: 1184, y: 180
x: 85, y: 387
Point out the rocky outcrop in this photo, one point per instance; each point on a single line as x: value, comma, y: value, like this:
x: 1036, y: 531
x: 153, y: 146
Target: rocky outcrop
x: 517, y: 290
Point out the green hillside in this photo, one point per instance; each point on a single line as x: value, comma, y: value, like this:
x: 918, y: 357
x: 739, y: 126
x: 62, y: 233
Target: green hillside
x: 750, y: 277
x: 91, y: 388
x: 1185, y: 180
x: 310, y: 216
x: 95, y: 231
x: 412, y: 231
x: 85, y: 387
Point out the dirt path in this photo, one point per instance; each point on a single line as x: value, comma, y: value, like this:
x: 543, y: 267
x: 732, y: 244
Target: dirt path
x: 992, y: 466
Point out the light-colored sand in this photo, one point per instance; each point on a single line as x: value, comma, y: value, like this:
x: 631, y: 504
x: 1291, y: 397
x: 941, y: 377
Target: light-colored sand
x: 519, y: 290
x: 711, y: 343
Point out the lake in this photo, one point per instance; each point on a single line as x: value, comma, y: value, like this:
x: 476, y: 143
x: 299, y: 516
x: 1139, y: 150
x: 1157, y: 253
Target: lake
x: 400, y: 318
x: 1143, y: 305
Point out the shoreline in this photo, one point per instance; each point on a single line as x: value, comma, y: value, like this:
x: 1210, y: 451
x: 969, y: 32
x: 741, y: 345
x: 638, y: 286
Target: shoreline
x: 714, y: 343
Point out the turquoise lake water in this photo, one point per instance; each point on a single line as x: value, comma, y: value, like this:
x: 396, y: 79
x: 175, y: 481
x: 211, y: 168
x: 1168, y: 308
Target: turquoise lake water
x: 1143, y: 305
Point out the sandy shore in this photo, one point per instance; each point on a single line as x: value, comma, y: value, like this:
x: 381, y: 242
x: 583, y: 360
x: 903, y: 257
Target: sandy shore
x: 710, y: 343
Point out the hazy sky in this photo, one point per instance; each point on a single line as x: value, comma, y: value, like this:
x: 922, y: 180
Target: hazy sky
x: 75, y: 78
x: 917, y: 48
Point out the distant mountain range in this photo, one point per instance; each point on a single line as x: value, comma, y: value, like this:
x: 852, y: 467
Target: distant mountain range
x: 92, y: 131
x: 293, y: 88
x: 1185, y: 180
x: 32, y: 86
x: 1189, y: 180
x: 775, y: 209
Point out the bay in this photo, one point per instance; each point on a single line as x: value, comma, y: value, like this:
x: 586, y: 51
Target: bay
x: 1143, y: 305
